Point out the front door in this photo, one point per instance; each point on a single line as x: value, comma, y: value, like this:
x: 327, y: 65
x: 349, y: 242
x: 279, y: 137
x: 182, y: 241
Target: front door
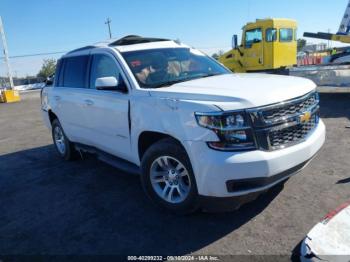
x: 253, y: 49
x: 107, y: 110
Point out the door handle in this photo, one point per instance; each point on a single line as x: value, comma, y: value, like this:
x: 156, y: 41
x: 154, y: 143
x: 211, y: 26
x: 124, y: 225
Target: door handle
x: 57, y: 98
x: 88, y: 102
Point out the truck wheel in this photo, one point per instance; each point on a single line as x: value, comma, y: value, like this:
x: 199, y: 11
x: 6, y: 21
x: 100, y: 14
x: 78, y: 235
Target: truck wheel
x: 167, y: 177
x: 63, y: 146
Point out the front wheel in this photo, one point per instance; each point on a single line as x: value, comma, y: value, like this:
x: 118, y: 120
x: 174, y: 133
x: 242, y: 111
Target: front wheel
x: 167, y: 177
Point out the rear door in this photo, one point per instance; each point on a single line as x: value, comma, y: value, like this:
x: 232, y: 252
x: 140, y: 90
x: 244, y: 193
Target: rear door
x: 107, y: 114
x: 270, y: 42
x: 68, y: 101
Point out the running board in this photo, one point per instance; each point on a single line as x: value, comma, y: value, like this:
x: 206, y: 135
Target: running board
x: 109, y: 159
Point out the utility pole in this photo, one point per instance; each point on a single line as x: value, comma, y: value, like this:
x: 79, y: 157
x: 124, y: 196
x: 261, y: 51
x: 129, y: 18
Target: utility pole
x: 7, y: 61
x: 108, y: 22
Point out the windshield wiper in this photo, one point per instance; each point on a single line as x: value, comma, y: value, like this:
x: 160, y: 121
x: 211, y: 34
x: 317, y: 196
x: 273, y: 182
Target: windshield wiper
x: 209, y: 75
x: 169, y: 83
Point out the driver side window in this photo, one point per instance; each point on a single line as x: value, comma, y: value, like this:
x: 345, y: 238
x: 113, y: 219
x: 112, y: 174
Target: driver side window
x: 253, y: 36
x: 105, y: 66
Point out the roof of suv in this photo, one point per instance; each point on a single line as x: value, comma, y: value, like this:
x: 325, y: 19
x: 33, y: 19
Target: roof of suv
x: 133, y: 43
x: 135, y: 39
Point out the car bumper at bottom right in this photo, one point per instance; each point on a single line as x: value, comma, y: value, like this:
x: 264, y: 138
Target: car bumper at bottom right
x: 329, y: 240
x: 230, y: 174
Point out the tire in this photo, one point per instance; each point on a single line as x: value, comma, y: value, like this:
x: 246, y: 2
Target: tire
x: 63, y: 146
x: 166, y: 165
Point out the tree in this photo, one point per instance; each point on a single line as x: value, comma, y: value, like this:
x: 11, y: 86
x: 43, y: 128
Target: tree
x: 301, y: 44
x: 217, y: 55
x: 48, y: 68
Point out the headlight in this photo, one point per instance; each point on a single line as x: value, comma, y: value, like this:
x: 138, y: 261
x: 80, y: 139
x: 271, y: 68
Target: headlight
x: 233, y: 130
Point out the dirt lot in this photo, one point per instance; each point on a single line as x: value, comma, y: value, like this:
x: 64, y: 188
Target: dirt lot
x: 48, y: 206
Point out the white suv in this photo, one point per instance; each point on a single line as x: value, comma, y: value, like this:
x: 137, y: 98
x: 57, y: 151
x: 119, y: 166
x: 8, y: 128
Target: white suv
x: 193, y: 130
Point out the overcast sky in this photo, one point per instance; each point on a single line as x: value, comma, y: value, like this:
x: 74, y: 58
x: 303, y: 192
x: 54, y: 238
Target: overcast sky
x: 42, y: 26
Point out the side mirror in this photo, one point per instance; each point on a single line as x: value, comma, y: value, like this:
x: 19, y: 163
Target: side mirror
x: 49, y: 81
x: 106, y: 83
x: 234, y: 42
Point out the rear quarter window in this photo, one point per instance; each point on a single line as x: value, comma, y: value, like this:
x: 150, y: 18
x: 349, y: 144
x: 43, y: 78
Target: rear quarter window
x: 75, y: 72
x: 271, y: 35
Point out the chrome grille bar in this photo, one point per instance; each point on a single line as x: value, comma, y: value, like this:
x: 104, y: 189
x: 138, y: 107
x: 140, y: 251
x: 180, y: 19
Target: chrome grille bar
x: 283, y: 112
x: 278, y: 126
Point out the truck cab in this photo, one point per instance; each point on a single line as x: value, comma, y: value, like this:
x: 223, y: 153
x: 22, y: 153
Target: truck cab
x: 267, y: 45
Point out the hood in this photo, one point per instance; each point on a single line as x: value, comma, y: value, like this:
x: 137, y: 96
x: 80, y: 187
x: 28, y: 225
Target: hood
x: 238, y: 91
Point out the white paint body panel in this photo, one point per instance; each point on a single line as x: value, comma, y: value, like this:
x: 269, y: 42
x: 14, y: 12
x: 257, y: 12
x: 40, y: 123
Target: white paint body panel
x: 107, y: 121
x: 239, y: 91
x: 330, y: 241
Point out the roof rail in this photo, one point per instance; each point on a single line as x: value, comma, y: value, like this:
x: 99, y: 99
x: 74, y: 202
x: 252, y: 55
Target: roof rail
x: 81, y: 49
x: 135, y: 39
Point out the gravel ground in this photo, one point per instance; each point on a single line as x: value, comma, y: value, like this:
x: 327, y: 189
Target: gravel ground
x: 48, y: 206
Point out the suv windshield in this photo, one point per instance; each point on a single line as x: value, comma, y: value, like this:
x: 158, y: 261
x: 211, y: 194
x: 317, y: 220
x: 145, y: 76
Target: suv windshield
x: 163, y: 67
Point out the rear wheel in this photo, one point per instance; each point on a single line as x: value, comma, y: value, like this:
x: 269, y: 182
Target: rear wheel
x: 167, y: 177
x: 63, y: 146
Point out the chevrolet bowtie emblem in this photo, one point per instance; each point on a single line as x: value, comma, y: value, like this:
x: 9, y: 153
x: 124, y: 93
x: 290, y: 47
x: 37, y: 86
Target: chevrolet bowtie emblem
x: 305, y: 117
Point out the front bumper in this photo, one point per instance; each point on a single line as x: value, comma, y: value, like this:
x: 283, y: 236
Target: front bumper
x: 216, y: 171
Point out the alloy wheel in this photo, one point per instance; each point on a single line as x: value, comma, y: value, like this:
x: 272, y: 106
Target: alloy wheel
x: 170, y: 179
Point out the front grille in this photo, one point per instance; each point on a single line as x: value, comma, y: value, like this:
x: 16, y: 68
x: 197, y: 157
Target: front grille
x: 291, y: 135
x: 282, y: 125
x: 289, y: 109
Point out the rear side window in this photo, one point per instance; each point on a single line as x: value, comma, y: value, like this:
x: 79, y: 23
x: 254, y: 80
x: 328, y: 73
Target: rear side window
x: 286, y: 35
x: 271, y: 35
x: 75, y: 70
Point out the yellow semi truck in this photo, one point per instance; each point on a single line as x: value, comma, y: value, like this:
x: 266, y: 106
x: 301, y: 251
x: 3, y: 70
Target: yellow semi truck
x: 268, y: 45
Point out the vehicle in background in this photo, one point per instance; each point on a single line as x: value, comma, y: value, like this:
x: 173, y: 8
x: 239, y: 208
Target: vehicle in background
x: 267, y: 45
x: 329, y: 240
x: 343, y: 34
x: 301, y: 54
x: 193, y: 130
x: 342, y: 57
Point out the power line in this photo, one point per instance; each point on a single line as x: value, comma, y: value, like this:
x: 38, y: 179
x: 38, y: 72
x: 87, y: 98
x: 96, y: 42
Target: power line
x: 37, y: 54
x: 62, y: 52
